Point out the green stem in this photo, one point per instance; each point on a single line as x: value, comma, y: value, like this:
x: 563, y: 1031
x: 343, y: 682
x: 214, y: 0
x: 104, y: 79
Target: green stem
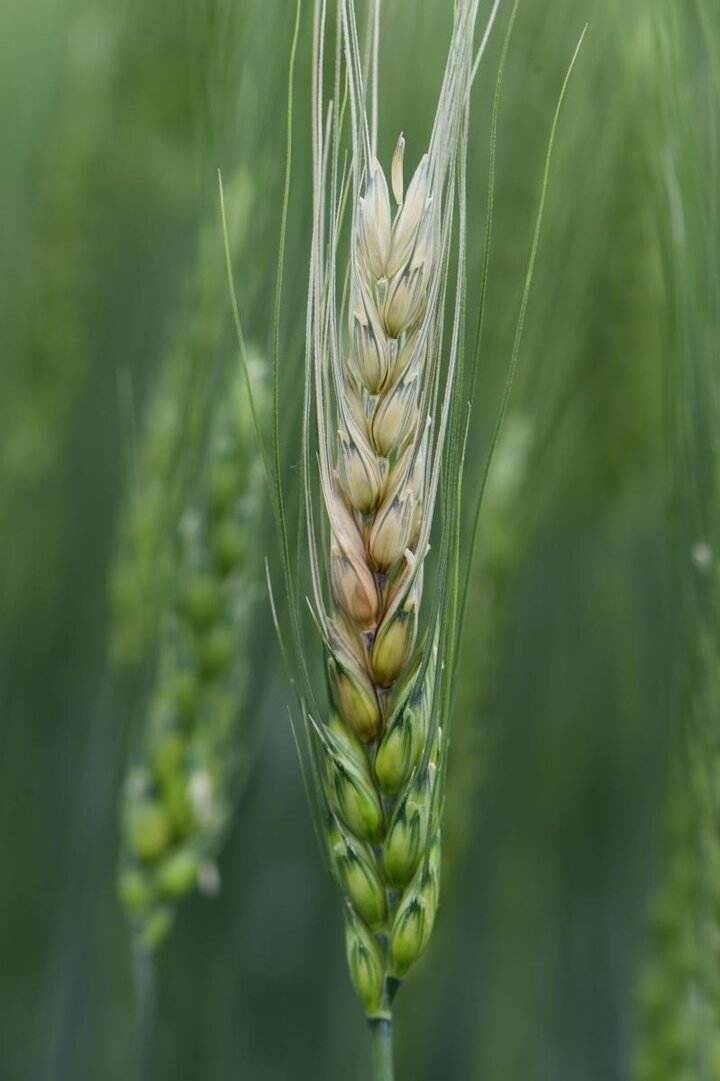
x: 382, y: 1045
x: 145, y: 1005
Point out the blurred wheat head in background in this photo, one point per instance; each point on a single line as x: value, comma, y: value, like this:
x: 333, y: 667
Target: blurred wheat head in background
x: 184, y: 587
x: 193, y: 747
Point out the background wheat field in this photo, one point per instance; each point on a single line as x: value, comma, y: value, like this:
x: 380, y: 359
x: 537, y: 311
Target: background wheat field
x: 589, y: 686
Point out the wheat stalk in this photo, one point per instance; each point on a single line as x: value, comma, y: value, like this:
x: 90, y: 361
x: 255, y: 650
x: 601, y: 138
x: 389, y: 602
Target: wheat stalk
x: 381, y: 377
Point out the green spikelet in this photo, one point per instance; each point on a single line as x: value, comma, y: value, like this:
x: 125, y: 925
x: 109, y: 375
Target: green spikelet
x: 415, y: 916
x: 407, y: 836
x: 404, y: 739
x: 359, y: 877
x: 179, y: 792
x: 366, y: 964
x: 350, y: 790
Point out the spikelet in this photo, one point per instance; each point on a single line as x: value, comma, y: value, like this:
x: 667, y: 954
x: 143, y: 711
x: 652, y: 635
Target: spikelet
x: 179, y: 791
x: 384, y: 390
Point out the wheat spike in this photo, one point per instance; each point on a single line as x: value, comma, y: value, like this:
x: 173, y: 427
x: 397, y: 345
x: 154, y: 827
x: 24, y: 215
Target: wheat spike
x: 375, y: 492
x: 383, y: 382
x: 182, y: 785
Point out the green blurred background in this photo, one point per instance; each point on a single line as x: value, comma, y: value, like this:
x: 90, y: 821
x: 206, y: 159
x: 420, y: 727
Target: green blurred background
x: 115, y: 119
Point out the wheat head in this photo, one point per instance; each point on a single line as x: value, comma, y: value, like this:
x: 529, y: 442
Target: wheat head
x: 382, y: 379
x: 184, y: 779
